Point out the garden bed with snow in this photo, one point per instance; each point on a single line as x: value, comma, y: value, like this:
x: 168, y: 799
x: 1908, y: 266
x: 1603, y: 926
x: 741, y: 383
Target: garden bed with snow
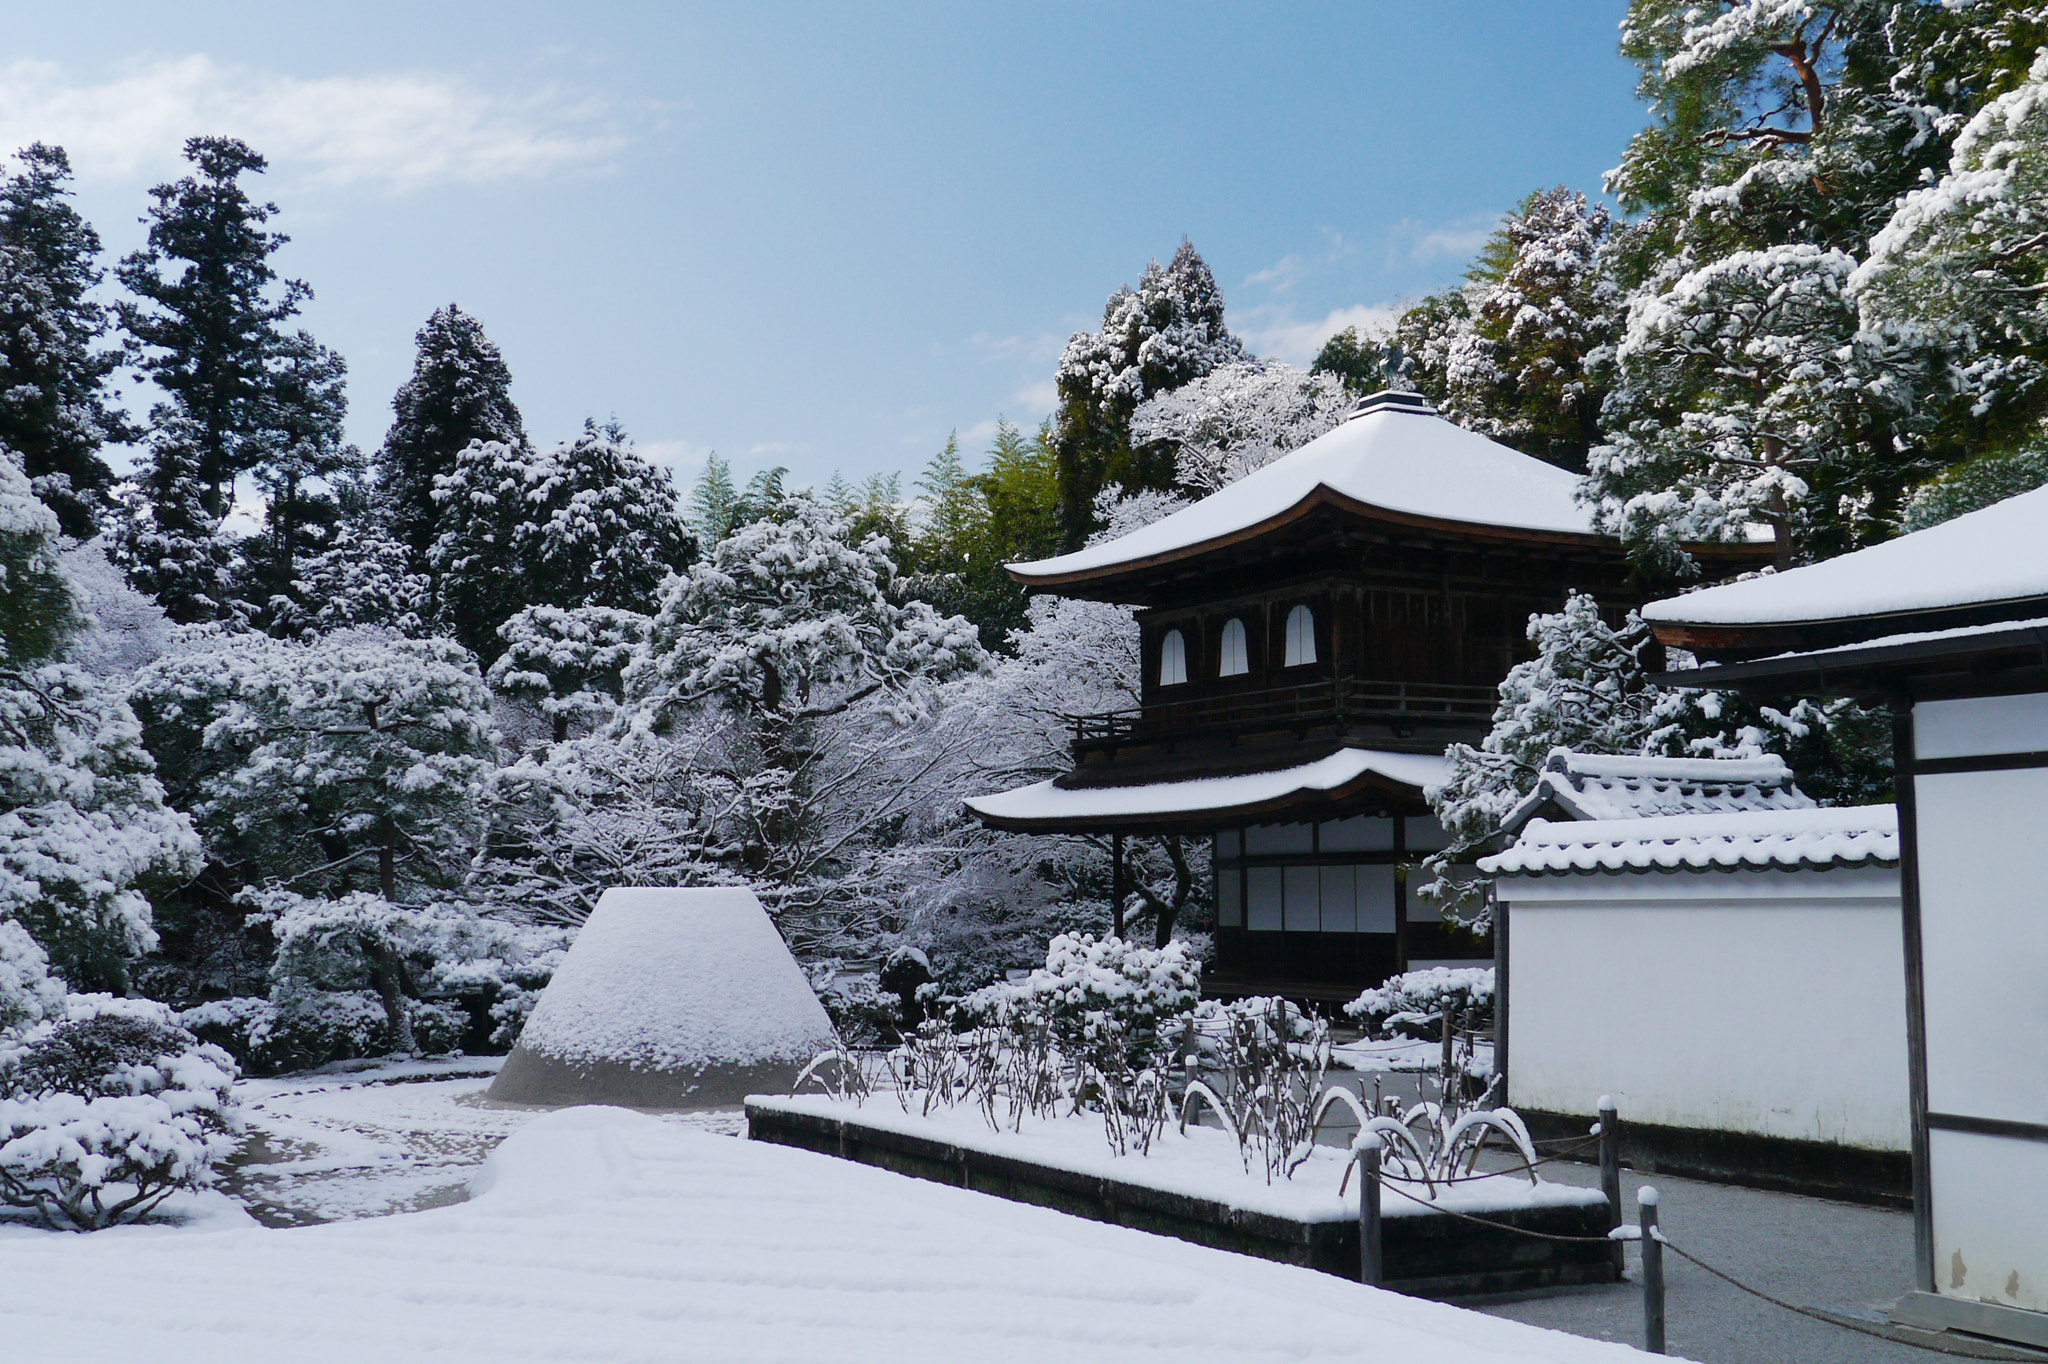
x: 1193, y: 1186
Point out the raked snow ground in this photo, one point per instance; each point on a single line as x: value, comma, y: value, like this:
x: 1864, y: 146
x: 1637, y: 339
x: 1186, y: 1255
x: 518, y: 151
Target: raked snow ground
x: 599, y: 1234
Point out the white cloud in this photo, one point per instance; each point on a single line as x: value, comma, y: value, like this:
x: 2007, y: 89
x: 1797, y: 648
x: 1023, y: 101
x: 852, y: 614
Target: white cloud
x: 1458, y: 240
x: 1295, y: 342
x: 396, y: 131
x: 1036, y: 399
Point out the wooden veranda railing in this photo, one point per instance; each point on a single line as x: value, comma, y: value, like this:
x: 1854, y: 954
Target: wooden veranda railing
x: 1327, y: 701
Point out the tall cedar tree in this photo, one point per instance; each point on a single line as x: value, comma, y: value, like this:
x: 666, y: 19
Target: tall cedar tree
x: 1154, y: 338
x: 460, y: 391
x: 56, y: 408
x: 308, y: 405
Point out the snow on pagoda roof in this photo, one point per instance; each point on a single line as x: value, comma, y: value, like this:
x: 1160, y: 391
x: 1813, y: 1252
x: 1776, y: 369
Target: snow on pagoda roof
x: 1588, y: 786
x: 1986, y: 556
x: 1046, y: 803
x: 1395, y: 453
x: 1754, y: 839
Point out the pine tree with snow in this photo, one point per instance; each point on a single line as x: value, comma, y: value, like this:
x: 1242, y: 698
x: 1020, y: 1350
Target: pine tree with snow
x: 57, y: 410
x: 1364, y: 362
x: 354, y: 762
x: 1963, y: 263
x: 84, y: 832
x: 1546, y: 304
x: 304, y: 458
x: 489, y: 504
x: 168, y: 539
x: 460, y: 391
x: 607, y: 529
x: 204, y: 321
x: 568, y: 663
x: 361, y: 578
x: 1154, y: 338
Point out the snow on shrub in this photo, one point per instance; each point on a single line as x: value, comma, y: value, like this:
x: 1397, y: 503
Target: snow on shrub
x: 28, y: 992
x: 1414, y: 1003
x: 108, y: 1110
x: 1090, y: 986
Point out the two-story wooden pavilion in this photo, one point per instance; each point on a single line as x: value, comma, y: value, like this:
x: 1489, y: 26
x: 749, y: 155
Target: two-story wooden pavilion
x: 1313, y: 637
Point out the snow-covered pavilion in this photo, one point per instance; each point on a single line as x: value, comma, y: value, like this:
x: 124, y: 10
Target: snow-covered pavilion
x: 1950, y: 627
x: 1311, y: 639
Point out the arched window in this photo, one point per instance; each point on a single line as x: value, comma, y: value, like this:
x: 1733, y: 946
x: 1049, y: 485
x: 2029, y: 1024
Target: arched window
x: 1235, y: 660
x: 1173, y: 659
x: 1301, y: 637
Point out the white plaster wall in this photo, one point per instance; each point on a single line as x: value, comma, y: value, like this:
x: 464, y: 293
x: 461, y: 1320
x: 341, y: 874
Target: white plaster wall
x: 1988, y: 1193
x: 1768, y: 1003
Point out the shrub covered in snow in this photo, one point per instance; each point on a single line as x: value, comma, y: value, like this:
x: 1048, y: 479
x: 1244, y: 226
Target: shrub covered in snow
x: 1090, y: 988
x: 107, y: 1111
x: 1413, y: 1004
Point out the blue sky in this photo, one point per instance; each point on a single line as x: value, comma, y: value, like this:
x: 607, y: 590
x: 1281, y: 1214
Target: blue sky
x: 825, y: 236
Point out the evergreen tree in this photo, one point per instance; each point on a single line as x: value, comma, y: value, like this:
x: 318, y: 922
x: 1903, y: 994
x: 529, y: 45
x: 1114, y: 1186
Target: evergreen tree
x: 608, y: 529
x: 1153, y: 339
x: 1546, y: 304
x: 56, y: 408
x: 305, y: 450
x: 166, y: 541
x: 487, y: 507
x: 203, y: 323
x: 1365, y: 363
x: 460, y: 391
x: 714, y: 502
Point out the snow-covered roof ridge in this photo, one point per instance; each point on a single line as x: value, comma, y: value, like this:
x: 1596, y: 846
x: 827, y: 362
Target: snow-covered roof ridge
x: 1603, y: 786
x: 1836, y: 836
x: 1398, y: 456
x: 1983, y: 557
x: 1201, y: 795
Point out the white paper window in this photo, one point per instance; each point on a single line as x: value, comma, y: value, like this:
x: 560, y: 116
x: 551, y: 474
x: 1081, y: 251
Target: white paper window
x: 1262, y: 899
x: 1229, y: 899
x: 1340, y: 899
x: 1301, y: 637
x: 1173, y: 659
x: 1236, y: 659
x: 1304, y: 887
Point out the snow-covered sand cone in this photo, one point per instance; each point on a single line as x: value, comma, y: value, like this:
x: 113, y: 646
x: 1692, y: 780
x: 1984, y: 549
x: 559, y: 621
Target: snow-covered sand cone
x: 669, y: 999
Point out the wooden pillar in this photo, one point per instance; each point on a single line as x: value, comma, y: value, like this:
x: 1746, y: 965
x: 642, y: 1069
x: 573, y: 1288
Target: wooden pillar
x: 1116, y: 884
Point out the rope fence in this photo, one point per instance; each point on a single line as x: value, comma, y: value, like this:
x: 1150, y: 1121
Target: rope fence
x: 1646, y: 1232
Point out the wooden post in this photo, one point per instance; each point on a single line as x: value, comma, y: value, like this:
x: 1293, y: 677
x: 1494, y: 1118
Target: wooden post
x: 1610, y: 1176
x: 1371, y: 1270
x: 1653, y: 1271
x: 1116, y: 884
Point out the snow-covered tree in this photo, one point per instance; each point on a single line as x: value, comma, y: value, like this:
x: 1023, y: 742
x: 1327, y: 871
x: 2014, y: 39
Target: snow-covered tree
x: 607, y: 528
x: 1977, y: 483
x: 1546, y: 305
x: 1588, y: 689
x: 1741, y: 391
x: 488, y: 506
x: 1153, y: 339
x: 353, y: 762
x: 84, y: 831
x: 123, y: 629
x: 361, y: 579
x: 168, y: 537
x: 568, y: 664
x: 1965, y: 259
x: 108, y: 1110
x: 460, y: 392
x: 56, y: 408
x: 1238, y: 418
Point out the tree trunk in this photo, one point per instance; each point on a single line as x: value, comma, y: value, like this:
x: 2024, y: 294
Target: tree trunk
x: 389, y: 972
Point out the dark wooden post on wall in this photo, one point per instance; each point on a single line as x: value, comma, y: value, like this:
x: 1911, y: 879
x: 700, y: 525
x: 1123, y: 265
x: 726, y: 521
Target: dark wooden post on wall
x: 1116, y: 884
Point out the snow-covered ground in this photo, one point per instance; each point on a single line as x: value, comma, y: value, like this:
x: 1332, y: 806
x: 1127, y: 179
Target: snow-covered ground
x: 1406, y: 1055
x: 598, y: 1234
x: 363, y: 1140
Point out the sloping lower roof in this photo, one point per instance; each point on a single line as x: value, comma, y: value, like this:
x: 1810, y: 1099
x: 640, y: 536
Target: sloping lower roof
x: 1588, y: 786
x: 1049, y: 808
x: 1984, y: 558
x: 1847, y: 836
x: 1396, y: 454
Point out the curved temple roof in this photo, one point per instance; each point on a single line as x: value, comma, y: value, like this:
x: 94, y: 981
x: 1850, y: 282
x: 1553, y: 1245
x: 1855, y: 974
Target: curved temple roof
x: 1394, y: 454
x: 1981, y: 559
x: 1047, y: 807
